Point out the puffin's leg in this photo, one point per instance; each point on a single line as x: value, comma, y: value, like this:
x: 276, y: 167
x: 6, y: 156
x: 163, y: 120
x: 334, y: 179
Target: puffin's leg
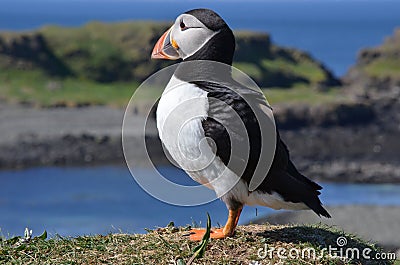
x: 219, y: 233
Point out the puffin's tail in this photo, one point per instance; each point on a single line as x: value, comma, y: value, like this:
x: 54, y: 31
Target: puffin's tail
x: 311, y: 188
x: 317, y: 207
x: 308, y: 194
x: 296, y: 189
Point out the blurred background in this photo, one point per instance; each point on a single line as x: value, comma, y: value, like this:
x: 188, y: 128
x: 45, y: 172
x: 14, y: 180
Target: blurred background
x: 330, y: 69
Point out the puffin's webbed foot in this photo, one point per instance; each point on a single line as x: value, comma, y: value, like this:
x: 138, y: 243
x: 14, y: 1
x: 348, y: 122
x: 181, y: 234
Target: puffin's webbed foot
x: 197, y: 234
x: 219, y: 233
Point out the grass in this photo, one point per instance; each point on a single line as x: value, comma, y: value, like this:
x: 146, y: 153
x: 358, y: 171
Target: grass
x: 102, y: 63
x: 286, y: 72
x: 169, y: 245
x: 384, y: 67
x: 382, y: 62
x: 249, y: 69
x: 302, y: 68
x: 304, y: 94
x: 35, y: 88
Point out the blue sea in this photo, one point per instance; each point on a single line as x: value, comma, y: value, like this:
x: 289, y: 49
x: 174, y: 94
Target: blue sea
x: 332, y: 31
x: 92, y: 200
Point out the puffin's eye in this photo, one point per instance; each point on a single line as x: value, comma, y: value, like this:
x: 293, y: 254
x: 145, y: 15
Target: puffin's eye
x: 182, y: 25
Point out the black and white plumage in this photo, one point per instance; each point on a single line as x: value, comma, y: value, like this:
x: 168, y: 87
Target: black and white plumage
x: 201, y: 34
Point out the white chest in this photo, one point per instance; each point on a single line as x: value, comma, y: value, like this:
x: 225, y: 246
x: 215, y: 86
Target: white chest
x: 181, y: 110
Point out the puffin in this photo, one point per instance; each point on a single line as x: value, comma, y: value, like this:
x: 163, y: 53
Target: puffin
x: 198, y: 36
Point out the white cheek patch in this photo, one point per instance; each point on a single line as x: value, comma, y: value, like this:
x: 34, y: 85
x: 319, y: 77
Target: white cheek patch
x: 194, y: 40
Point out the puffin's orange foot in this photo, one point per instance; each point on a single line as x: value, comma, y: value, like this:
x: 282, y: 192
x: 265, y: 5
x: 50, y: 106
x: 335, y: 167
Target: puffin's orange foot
x: 197, y: 234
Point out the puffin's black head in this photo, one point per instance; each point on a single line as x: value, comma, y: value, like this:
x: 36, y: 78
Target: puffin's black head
x: 199, y: 34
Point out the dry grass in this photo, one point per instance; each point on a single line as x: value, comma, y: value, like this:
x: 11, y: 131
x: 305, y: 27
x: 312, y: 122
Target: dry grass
x: 169, y: 245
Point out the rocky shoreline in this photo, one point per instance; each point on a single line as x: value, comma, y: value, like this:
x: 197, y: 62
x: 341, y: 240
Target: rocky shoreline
x: 365, y: 151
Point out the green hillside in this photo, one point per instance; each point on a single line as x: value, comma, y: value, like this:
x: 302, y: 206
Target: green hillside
x: 102, y: 63
x: 377, y: 67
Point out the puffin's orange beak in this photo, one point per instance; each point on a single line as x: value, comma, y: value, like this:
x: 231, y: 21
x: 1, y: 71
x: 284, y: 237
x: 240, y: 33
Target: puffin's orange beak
x: 165, y: 48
